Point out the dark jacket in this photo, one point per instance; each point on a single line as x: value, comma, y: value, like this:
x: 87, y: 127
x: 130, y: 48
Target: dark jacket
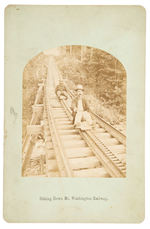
x: 75, y: 104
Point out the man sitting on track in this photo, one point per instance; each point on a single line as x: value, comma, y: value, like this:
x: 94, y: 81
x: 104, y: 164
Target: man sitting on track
x: 61, y: 90
x: 81, y: 117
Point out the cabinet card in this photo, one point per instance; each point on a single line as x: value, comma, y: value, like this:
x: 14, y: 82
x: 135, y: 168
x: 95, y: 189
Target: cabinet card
x: 74, y: 114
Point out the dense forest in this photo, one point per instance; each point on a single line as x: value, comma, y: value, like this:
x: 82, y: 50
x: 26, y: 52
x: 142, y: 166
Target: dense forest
x: 101, y: 74
x: 103, y: 78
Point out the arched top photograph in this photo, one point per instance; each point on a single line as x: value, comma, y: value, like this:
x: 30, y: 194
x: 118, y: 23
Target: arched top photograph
x: 74, y: 114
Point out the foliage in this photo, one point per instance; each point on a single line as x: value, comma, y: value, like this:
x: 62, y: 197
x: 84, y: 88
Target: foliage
x: 34, y: 71
x: 103, y: 78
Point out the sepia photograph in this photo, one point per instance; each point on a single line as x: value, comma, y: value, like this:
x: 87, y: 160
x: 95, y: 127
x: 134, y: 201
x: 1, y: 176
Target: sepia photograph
x: 74, y: 114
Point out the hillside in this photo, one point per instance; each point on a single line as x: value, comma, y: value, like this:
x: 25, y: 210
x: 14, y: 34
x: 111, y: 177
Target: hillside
x: 104, y: 81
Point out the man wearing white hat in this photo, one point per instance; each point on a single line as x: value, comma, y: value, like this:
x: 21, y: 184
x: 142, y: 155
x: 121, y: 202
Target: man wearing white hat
x: 80, y: 110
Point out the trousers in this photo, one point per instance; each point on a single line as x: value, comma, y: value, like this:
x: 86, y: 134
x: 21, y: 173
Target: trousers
x: 83, y: 116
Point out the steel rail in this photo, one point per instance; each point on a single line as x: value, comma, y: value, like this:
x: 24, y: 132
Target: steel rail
x: 108, y: 127
x: 62, y: 161
x: 103, y: 154
x: 111, y: 163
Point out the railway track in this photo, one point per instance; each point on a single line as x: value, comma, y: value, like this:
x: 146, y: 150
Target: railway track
x: 71, y: 152
x: 72, y: 157
x: 82, y: 154
x: 96, y: 140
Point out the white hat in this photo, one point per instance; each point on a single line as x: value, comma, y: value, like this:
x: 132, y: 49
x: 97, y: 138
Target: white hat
x: 79, y: 87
